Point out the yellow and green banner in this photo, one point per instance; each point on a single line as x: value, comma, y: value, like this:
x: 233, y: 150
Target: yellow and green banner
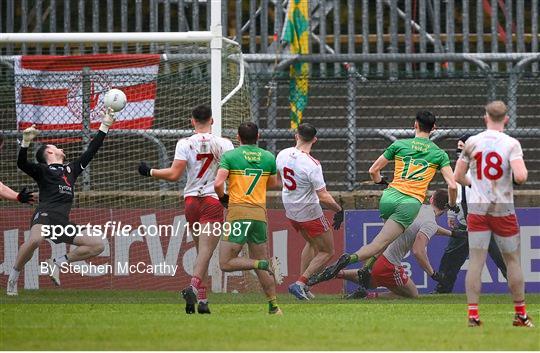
x: 296, y: 33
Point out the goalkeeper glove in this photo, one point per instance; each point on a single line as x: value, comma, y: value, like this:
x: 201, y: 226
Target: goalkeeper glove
x: 383, y: 181
x: 454, y: 208
x: 145, y: 170
x: 28, y: 135
x: 224, y: 200
x: 338, y: 219
x: 437, y: 276
x: 108, y: 120
x: 25, y: 196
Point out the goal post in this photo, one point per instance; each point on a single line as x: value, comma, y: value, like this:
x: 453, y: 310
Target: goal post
x: 213, y: 37
x: 164, y: 75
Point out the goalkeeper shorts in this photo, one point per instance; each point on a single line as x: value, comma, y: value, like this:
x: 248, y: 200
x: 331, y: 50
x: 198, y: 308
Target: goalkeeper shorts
x: 399, y: 207
x: 57, y: 222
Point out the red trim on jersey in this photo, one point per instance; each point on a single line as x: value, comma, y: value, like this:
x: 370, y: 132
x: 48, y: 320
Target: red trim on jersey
x: 505, y: 226
x: 386, y: 274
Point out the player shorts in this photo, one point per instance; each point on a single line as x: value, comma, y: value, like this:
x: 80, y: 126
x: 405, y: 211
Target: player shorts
x: 313, y: 228
x: 204, y: 209
x: 399, y: 207
x: 58, y: 222
x: 244, y: 231
x: 386, y: 274
x: 505, y: 230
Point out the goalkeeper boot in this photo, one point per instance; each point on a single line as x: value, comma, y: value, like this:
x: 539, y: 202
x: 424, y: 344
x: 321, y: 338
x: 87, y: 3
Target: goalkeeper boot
x: 53, y: 272
x: 12, y: 288
x: 298, y: 291
x: 474, y: 322
x: 523, y: 321
x: 190, y: 297
x: 360, y: 293
x: 202, y: 308
x: 364, y: 277
x: 331, y: 271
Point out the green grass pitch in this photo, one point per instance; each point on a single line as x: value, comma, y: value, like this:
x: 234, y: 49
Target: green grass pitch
x: 137, y: 320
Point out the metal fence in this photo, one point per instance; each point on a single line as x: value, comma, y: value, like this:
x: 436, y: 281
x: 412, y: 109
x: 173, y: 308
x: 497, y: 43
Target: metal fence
x: 357, y: 116
x: 336, y: 26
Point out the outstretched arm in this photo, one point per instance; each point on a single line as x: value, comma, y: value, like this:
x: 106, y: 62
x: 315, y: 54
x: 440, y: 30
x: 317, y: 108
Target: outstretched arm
x: 173, y: 173
x: 420, y: 253
x: 32, y: 169
x: 9, y: 194
x: 97, y: 141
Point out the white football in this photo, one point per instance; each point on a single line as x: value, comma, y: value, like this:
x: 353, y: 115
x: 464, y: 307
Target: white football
x: 115, y: 99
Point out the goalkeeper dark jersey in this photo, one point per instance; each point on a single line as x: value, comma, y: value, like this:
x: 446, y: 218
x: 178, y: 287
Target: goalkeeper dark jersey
x: 56, y: 182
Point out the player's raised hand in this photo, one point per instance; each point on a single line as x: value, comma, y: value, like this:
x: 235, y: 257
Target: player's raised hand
x: 108, y: 120
x: 28, y: 135
x: 338, y: 219
x: 25, y: 196
x: 144, y: 169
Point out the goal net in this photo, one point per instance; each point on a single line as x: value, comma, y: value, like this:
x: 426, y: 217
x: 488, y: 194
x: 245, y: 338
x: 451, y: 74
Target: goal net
x: 63, y: 96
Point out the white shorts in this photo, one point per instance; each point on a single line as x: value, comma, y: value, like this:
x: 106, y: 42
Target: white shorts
x: 480, y: 240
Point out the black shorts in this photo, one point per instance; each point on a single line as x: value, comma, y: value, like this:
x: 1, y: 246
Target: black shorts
x: 53, y: 219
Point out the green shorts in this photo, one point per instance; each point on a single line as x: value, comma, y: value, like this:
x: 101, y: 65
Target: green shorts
x: 246, y: 231
x: 399, y: 207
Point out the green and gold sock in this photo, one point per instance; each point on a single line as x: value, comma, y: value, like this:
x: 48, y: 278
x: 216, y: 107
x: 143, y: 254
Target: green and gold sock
x: 353, y: 259
x: 369, y: 262
x: 261, y: 264
x: 272, y: 304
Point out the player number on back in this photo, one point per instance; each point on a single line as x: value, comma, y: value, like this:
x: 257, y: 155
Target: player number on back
x: 416, y: 174
x: 492, y: 170
x: 208, y: 158
x: 288, y: 175
x: 256, y: 173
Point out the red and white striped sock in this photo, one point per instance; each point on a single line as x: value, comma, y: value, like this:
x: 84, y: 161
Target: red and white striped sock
x: 519, y: 306
x: 196, y: 282
x: 201, y: 295
x: 473, y: 311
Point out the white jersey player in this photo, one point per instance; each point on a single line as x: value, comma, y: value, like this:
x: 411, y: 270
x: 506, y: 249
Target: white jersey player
x: 199, y: 156
x: 388, y: 270
x: 496, y: 162
x: 303, y: 189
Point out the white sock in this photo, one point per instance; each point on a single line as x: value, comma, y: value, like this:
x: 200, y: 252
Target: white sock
x: 61, y: 259
x: 13, y: 274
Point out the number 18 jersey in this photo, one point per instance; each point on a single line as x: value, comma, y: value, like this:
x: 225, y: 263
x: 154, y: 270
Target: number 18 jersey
x: 417, y: 161
x: 202, y: 152
x: 489, y: 154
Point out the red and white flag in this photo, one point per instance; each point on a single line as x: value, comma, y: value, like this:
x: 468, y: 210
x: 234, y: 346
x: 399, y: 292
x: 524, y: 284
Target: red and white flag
x: 49, y: 89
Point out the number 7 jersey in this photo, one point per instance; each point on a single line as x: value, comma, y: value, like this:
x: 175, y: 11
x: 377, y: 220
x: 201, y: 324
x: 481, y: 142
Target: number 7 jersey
x: 417, y: 160
x: 488, y: 155
x: 249, y: 169
x: 202, y: 152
